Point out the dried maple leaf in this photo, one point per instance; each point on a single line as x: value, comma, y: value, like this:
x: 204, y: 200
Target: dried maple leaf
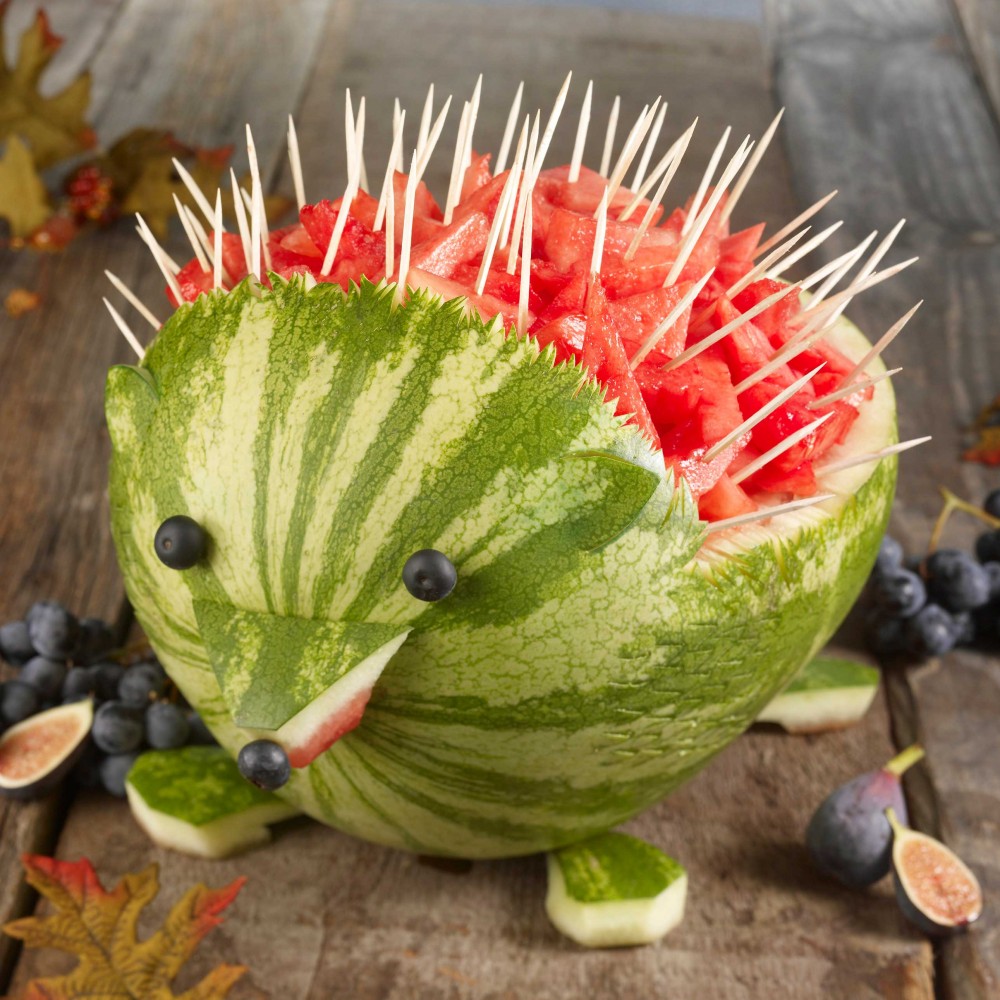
x: 23, y: 199
x: 987, y: 430
x: 20, y: 301
x: 99, y: 927
x: 54, y: 127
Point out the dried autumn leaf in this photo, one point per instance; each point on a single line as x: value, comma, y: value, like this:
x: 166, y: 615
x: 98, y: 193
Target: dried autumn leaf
x: 20, y: 301
x: 23, y: 199
x: 987, y: 430
x: 99, y: 927
x: 54, y: 127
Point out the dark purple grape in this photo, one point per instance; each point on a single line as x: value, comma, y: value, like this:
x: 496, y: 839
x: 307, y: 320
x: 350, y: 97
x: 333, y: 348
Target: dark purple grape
x: 890, y: 556
x: 264, y: 764
x: 95, y: 640
x: 992, y: 503
x: 53, y: 630
x: 965, y: 628
x: 141, y: 684
x: 15, y: 643
x: 180, y: 542
x: 80, y: 682
x: 18, y: 702
x: 86, y: 772
x: 901, y: 593
x: 44, y: 675
x: 167, y: 726
x: 114, y: 770
x: 956, y: 581
x: 117, y: 728
x: 200, y: 735
x: 988, y: 546
x: 883, y: 634
x: 931, y: 631
x: 992, y: 571
x: 108, y: 676
x: 429, y: 575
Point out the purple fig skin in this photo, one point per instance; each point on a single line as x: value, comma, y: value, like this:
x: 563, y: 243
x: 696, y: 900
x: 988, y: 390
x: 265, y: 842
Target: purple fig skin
x: 849, y: 837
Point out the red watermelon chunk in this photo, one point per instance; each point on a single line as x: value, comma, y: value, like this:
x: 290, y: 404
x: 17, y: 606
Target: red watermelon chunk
x: 636, y: 317
x: 775, y: 318
x: 724, y: 499
x: 454, y: 245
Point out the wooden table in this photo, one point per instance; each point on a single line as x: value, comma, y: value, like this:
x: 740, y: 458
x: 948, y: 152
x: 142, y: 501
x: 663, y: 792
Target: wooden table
x: 884, y: 101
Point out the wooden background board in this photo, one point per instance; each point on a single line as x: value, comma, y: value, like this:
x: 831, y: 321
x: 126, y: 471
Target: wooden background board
x: 327, y: 916
x: 922, y: 144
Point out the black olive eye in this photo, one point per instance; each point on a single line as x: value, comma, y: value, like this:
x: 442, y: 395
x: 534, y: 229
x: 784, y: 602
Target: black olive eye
x: 429, y: 575
x: 180, y: 542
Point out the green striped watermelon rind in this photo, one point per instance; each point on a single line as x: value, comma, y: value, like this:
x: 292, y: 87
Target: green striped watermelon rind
x: 597, y: 651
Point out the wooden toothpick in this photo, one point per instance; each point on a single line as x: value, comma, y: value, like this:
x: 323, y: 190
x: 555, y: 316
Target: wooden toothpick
x: 581, y: 134
x: 190, y: 233
x: 766, y: 513
x: 217, y: 267
x: 388, y: 181
x: 168, y: 267
x: 647, y: 152
x: 522, y: 297
x: 706, y: 179
x: 873, y: 456
x: 883, y: 342
x: 806, y: 248
x: 404, y: 249
x: 295, y: 161
x: 851, y: 388
x: 668, y: 164
x: 241, y: 219
x: 793, y: 225
x: 125, y: 330
x: 779, y: 449
x: 189, y: 182
x: 134, y: 300
x: 508, y: 132
x: 668, y: 321
x: 752, y: 164
x: 609, y: 137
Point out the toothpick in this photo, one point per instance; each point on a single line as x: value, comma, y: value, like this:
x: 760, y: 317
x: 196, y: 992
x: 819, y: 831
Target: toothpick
x: 388, y: 182
x: 522, y: 297
x: 425, y: 122
x: 295, y: 161
x: 163, y: 260
x: 836, y: 270
x: 694, y: 233
x: 806, y: 248
x: 631, y: 148
x: 470, y: 130
x: 516, y: 172
x: 338, y: 228
x: 508, y: 132
x: 397, y: 117
x: 255, y: 214
x: 766, y: 513
x: 879, y: 252
x: 404, y: 249
x: 550, y: 128
x: 189, y: 182
x: 217, y: 242
x: 432, y: 141
x: 189, y: 232
x: 581, y: 134
x: 597, y: 254
x: 669, y: 162
x: 779, y: 449
x: 125, y: 330
x: 797, y: 221
x: 795, y: 346
x: 873, y: 456
x: 714, y: 338
x: 647, y: 151
x: 507, y: 195
x: 523, y: 198
x: 675, y: 314
x: 752, y: 163
x: 359, y: 147
x: 457, y: 168
x: 390, y: 227
x: 762, y: 414
x: 202, y: 236
x: 758, y: 270
x: 851, y: 389
x: 706, y: 179
x: 609, y: 137
x: 241, y: 218
x: 257, y: 191
x: 134, y: 299
x: 884, y: 341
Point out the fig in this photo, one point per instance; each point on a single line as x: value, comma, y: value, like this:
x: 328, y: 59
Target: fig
x: 35, y: 755
x: 849, y: 837
x: 934, y: 888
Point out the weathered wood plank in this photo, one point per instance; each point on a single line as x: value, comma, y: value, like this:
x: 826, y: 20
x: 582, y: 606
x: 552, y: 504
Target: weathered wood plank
x: 54, y: 529
x: 980, y: 22
x: 884, y: 106
x: 328, y: 916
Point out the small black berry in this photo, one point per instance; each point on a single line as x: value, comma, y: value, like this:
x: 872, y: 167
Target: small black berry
x: 180, y: 542
x: 429, y: 575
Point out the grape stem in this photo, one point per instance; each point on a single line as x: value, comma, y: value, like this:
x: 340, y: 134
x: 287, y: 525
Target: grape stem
x: 953, y: 503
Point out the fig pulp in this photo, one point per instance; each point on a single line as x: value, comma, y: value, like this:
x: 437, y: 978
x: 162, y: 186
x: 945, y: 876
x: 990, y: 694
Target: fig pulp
x: 849, y: 837
x: 35, y: 755
x: 934, y: 888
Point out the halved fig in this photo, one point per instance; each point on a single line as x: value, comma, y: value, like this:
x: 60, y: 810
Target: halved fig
x: 934, y: 888
x: 35, y: 755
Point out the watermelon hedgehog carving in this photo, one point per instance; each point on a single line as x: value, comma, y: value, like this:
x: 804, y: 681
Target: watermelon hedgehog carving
x: 499, y: 560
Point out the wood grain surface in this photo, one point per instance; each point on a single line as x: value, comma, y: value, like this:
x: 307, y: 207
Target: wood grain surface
x: 921, y: 144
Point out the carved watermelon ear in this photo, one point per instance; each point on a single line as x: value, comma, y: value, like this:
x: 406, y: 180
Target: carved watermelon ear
x: 130, y: 400
x: 624, y: 488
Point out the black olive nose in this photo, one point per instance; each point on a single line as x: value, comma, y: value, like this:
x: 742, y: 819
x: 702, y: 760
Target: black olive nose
x: 180, y: 542
x: 429, y: 575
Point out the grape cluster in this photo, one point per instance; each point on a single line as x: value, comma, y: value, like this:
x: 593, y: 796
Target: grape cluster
x: 947, y: 598
x: 61, y: 659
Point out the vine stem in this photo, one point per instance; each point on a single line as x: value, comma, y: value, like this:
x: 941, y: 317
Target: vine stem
x: 953, y: 503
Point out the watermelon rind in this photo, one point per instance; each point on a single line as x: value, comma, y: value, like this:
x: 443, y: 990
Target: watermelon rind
x: 194, y: 800
x: 829, y: 693
x: 614, y: 891
x: 597, y: 650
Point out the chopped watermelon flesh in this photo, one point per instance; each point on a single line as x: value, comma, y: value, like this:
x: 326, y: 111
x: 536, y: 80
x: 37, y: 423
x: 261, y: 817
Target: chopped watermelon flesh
x: 602, y: 324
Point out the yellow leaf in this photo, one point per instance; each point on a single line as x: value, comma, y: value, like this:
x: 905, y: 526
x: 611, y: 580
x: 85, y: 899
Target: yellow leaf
x: 23, y: 200
x: 99, y: 928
